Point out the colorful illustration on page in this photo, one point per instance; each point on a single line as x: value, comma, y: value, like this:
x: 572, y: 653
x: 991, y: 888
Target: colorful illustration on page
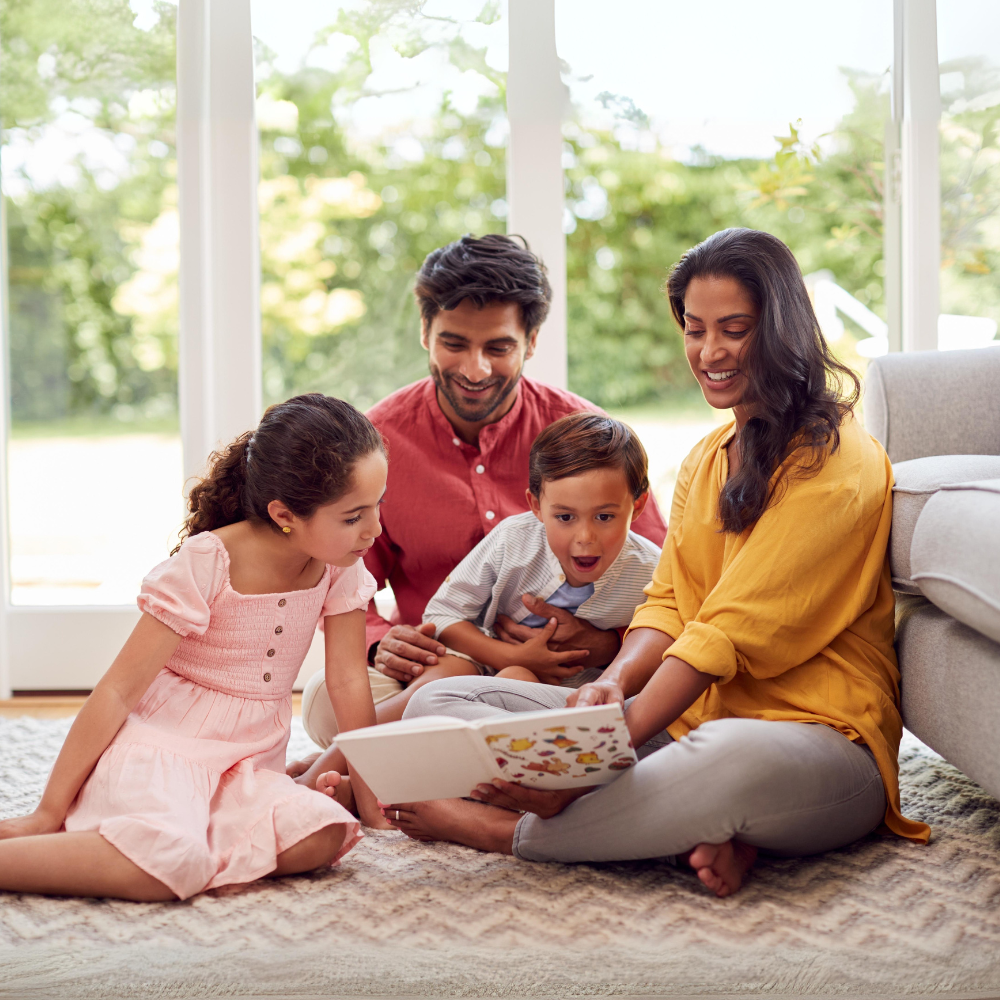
x: 536, y: 755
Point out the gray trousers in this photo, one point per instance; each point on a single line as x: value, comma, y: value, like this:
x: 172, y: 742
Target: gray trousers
x: 789, y: 788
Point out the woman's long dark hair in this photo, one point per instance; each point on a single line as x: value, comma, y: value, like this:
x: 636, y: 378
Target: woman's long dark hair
x: 302, y: 453
x: 795, y: 386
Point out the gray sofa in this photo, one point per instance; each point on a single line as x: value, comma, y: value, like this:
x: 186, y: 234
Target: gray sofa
x: 938, y: 416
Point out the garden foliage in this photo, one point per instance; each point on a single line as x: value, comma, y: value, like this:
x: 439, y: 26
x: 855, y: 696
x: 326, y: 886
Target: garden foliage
x: 346, y: 220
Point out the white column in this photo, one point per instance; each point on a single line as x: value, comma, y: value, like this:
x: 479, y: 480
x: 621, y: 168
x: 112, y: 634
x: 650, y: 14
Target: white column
x: 537, y: 101
x: 892, y: 195
x: 920, y: 212
x: 4, y: 484
x: 220, y: 344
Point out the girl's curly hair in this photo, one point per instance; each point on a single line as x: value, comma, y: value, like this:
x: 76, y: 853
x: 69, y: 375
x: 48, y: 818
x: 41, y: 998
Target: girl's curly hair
x: 303, y: 453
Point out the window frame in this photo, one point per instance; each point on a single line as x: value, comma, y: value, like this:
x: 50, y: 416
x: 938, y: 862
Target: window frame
x: 219, y: 321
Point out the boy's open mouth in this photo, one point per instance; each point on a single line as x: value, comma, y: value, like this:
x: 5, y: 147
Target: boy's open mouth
x: 585, y: 563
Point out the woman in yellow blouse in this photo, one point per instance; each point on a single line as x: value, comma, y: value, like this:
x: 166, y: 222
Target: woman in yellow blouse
x: 765, y: 646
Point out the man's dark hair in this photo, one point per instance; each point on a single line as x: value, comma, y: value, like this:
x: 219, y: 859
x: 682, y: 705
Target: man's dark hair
x: 488, y: 270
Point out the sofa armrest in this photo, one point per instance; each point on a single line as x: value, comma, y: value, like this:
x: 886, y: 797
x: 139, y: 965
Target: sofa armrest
x: 935, y: 403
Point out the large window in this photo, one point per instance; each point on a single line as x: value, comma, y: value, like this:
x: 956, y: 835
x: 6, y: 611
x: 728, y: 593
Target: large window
x: 87, y: 100
x: 969, y: 51
x: 347, y: 139
x: 383, y: 129
x: 770, y: 116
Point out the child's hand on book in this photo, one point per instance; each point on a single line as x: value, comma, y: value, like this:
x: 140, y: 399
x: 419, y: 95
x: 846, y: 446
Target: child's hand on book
x: 548, y: 666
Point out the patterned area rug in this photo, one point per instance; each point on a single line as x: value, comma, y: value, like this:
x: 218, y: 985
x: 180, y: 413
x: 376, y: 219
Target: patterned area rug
x: 880, y: 919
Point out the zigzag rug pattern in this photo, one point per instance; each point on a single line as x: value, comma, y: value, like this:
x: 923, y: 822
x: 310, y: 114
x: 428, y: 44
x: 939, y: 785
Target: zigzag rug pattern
x: 397, y: 918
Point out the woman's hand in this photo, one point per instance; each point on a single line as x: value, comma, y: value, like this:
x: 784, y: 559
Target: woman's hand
x: 517, y: 798
x: 31, y: 825
x: 602, y: 692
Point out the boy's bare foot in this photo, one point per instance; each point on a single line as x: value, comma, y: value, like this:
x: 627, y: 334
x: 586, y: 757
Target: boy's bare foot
x: 338, y: 787
x: 299, y: 767
x: 486, y: 828
x: 721, y: 867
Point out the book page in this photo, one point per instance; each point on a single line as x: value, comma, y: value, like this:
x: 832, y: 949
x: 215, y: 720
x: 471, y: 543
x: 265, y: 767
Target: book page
x: 564, y: 748
x: 418, y: 759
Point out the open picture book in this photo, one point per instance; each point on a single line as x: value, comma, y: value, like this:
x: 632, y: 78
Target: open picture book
x: 439, y: 757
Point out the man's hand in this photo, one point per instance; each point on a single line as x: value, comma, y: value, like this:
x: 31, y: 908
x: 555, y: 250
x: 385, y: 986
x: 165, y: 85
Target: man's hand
x: 507, y: 795
x: 404, y: 651
x: 571, y: 632
x: 547, y: 665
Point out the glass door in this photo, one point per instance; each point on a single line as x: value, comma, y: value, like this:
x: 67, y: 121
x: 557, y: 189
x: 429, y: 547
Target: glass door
x: 770, y: 116
x: 90, y: 202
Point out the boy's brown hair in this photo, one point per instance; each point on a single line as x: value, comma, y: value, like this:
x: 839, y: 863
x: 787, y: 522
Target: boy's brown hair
x: 583, y: 441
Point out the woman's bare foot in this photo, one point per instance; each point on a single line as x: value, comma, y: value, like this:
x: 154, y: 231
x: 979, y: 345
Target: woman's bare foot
x: 338, y: 787
x: 721, y: 867
x: 486, y: 828
x: 299, y: 767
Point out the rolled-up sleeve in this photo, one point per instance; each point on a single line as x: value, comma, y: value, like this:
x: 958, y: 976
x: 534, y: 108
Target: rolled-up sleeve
x: 468, y: 588
x: 660, y: 609
x: 807, y: 570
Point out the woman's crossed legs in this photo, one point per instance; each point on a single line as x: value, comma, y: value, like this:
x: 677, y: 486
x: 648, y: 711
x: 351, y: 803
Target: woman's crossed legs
x: 721, y: 792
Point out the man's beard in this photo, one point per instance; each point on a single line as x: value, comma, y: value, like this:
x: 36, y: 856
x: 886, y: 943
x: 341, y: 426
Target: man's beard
x: 474, y: 411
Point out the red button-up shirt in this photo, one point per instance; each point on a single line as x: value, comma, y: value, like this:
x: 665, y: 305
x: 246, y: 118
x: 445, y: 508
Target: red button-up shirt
x: 443, y: 495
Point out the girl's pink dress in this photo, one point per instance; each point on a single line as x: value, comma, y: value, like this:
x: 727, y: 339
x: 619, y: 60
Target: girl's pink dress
x: 193, y: 788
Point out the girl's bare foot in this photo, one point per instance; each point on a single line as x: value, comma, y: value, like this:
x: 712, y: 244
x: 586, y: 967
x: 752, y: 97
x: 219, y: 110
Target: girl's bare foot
x: 338, y: 787
x: 299, y: 767
x: 721, y: 867
x: 486, y: 828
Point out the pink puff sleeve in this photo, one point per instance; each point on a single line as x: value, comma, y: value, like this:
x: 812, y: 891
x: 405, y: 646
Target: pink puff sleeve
x: 180, y: 591
x: 351, y: 588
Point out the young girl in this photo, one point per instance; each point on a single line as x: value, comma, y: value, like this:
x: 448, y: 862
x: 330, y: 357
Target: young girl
x: 171, y: 780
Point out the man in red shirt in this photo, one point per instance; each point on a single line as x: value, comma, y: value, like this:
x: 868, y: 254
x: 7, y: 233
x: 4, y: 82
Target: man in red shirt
x: 458, y: 444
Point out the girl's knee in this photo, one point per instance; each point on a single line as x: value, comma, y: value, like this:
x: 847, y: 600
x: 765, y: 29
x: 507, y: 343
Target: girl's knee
x: 317, y: 850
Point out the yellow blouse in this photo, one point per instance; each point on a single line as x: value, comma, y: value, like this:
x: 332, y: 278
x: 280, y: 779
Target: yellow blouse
x: 795, y: 615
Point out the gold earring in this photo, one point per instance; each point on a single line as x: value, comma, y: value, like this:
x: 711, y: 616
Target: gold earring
x: 287, y: 530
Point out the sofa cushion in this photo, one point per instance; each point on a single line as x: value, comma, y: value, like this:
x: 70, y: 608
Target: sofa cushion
x: 916, y: 482
x: 955, y: 555
x: 950, y: 688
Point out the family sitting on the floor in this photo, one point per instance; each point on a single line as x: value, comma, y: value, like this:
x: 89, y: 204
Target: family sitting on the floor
x: 751, y: 644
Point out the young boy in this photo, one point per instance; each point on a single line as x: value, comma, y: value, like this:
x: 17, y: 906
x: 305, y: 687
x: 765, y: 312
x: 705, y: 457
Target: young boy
x: 587, y: 481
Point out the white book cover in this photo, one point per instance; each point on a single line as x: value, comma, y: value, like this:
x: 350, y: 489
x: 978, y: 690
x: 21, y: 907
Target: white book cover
x: 439, y: 757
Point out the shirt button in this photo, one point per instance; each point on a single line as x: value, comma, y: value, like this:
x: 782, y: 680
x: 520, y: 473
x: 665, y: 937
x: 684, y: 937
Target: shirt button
x: 490, y: 515
x: 278, y: 630
x: 270, y: 652
x: 282, y: 603
x: 480, y: 469
x: 562, y: 577
x: 267, y: 678
x: 455, y: 441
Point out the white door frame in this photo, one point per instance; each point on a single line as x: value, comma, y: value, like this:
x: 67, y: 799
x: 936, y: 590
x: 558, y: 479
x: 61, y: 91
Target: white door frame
x: 537, y: 102
x: 220, y: 345
x: 60, y: 648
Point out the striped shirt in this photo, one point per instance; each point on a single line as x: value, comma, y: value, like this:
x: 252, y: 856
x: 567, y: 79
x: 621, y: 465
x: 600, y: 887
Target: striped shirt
x: 515, y: 559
